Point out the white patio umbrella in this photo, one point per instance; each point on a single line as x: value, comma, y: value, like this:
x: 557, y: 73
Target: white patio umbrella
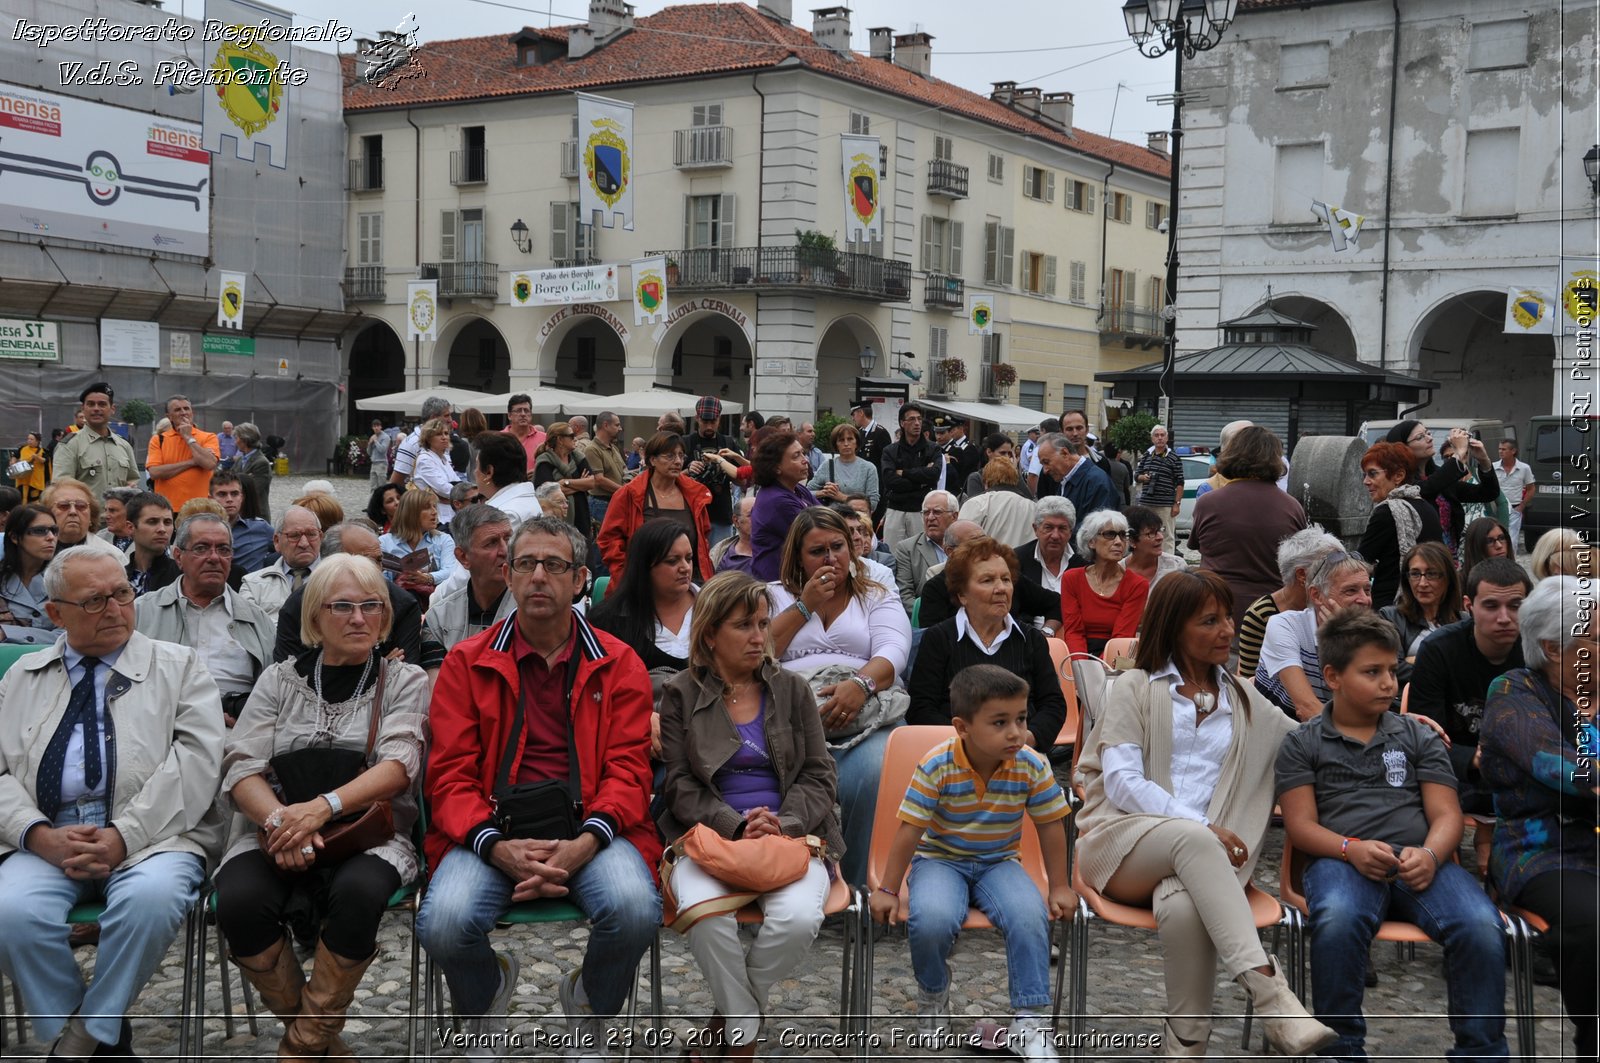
x: 410, y: 403
x: 649, y: 402
x: 545, y: 400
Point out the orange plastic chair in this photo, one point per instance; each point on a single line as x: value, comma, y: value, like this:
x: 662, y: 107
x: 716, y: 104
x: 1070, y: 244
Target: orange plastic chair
x: 1061, y: 661
x: 907, y: 746
x: 1405, y: 699
x: 1116, y: 648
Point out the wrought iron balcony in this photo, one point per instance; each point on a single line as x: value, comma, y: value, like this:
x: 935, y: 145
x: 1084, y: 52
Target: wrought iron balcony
x: 1132, y: 323
x: 469, y: 166
x: 569, y: 158
x: 842, y: 273
x: 366, y: 174
x: 703, y: 147
x: 988, y: 390
x: 463, y: 280
x: 944, y: 290
x: 940, y: 386
x: 947, y: 179
x: 364, y: 284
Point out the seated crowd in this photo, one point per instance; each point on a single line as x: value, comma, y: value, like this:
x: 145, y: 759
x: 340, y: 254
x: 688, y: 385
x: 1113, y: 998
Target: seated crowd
x: 327, y: 708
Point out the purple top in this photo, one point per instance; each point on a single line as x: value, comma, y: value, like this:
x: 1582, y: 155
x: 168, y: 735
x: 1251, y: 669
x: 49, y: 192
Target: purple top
x: 733, y: 562
x: 774, y: 511
x: 747, y: 780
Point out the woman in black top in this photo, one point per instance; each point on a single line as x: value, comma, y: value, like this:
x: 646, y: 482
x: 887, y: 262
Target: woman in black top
x: 1442, y: 480
x: 1400, y: 519
x: 653, y: 604
x: 980, y: 575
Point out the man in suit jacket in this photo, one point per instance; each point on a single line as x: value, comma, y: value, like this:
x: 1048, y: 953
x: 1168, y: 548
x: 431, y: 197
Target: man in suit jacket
x: 405, y: 633
x: 1047, y: 558
x: 913, y: 557
x: 1028, y: 600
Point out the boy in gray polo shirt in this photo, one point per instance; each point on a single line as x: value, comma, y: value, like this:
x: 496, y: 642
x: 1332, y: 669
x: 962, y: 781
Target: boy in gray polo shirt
x: 1370, y: 801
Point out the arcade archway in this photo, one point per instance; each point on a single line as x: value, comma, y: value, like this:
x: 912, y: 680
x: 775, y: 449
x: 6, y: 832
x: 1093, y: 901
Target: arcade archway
x: 478, y: 358
x: 377, y: 367
x: 839, y: 361
x: 1333, y: 336
x: 708, y: 353
x: 1482, y: 370
x: 585, y: 352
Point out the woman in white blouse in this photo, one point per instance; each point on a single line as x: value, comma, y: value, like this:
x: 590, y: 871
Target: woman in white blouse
x: 1178, y: 775
x: 434, y: 470
x: 850, y: 638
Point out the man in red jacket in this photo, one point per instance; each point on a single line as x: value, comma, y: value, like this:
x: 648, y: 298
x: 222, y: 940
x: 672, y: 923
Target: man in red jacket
x: 526, y: 696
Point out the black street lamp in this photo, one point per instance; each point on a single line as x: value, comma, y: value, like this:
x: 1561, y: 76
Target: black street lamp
x: 1591, y: 168
x: 1183, y: 27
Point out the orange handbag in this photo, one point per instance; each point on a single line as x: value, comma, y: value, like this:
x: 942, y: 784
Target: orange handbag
x: 749, y: 867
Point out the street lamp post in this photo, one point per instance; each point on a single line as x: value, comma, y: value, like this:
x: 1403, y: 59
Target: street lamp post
x: 1184, y: 27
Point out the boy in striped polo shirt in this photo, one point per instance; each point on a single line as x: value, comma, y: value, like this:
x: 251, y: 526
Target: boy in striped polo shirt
x: 961, y: 832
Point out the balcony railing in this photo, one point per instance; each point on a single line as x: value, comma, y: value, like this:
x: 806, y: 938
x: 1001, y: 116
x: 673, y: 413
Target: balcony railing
x: 366, y: 175
x: 940, y: 386
x: 946, y: 178
x: 841, y: 273
x: 943, y: 290
x: 569, y: 158
x: 1127, y: 319
x: 469, y: 166
x: 463, y: 280
x: 364, y: 284
x: 702, y: 146
x: 987, y: 388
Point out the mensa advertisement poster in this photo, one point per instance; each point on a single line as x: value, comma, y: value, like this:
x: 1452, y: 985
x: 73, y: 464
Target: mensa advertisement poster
x: 79, y: 170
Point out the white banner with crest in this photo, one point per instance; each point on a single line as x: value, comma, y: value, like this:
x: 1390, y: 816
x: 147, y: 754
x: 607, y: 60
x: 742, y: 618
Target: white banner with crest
x: 605, y: 155
x: 863, y: 197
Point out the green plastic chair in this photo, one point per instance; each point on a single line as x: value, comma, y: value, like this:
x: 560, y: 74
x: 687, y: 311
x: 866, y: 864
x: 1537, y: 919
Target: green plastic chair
x: 916, y: 612
x: 10, y: 654
x: 598, y: 595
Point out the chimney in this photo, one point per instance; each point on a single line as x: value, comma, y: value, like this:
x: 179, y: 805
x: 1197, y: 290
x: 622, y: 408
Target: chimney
x: 1158, y: 141
x: 914, y: 52
x: 1027, y: 101
x: 830, y: 27
x: 1057, y: 108
x: 1004, y: 92
x: 882, y: 38
x: 607, y: 19
x: 782, y: 10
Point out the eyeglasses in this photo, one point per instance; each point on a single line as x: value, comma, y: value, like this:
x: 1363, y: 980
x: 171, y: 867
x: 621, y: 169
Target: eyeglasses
x: 96, y: 603
x: 1417, y: 575
x: 555, y: 566
x: 371, y: 607
x: 1373, y: 474
x: 1111, y: 533
x: 207, y: 549
x: 936, y: 512
x: 300, y: 536
x: 75, y: 507
x: 1418, y: 437
x: 39, y: 531
x: 1496, y: 539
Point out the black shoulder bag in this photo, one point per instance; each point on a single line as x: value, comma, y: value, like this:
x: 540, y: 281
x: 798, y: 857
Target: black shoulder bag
x: 547, y: 809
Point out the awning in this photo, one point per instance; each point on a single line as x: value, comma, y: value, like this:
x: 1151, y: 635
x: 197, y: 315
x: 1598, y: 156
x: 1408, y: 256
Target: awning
x: 545, y: 400
x: 649, y: 402
x: 410, y: 403
x: 996, y: 413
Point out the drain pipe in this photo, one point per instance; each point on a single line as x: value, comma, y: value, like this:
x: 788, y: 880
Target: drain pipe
x: 761, y: 195
x: 1388, y: 192
x: 416, y: 345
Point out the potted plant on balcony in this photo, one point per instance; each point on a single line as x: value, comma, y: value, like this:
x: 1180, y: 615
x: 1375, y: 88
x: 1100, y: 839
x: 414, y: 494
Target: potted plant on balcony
x: 954, y: 370
x: 1004, y: 374
x: 816, y: 255
x: 672, y: 272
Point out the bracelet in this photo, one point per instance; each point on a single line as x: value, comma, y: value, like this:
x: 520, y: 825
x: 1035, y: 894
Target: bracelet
x: 334, y: 803
x: 805, y: 614
x: 1431, y: 853
x: 890, y: 892
x: 274, y: 819
x: 1344, y: 849
x: 862, y: 682
x: 866, y: 682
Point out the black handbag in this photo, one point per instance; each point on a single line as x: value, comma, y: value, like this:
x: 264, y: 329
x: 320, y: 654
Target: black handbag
x: 550, y: 809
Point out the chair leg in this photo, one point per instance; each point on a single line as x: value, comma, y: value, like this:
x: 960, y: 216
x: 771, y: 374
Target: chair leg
x: 411, y: 1021
x: 2, y: 1013
x: 187, y: 1005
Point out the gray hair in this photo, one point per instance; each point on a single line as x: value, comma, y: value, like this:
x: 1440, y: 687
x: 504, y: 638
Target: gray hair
x: 1054, y: 506
x: 458, y: 491
x: 470, y: 518
x: 1056, y: 441
x: 55, y: 574
x: 547, y: 490
x: 277, y: 525
x: 951, y: 504
x: 606, y: 417
x: 1303, y: 549
x: 433, y: 406
x: 1157, y: 428
x: 181, y: 539
x: 1556, y: 611
x: 1094, y: 524
x: 558, y: 528
x: 333, y: 538
x: 120, y: 494
x: 176, y: 398
x: 247, y: 434
x: 1231, y: 429
x: 1321, y: 575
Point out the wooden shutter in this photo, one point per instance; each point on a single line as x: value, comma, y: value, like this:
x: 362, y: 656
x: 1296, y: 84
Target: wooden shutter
x: 688, y: 222
x: 938, y: 343
x: 560, y: 236
x: 1088, y: 198
x: 928, y: 263
x: 1049, y: 186
x: 447, y: 236
x: 725, y: 229
x: 1077, y: 273
x: 991, y: 251
x: 1008, y: 237
x: 954, y: 229
x: 1049, y: 274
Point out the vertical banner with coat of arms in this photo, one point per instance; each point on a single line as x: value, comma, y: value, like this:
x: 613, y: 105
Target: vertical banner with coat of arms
x: 245, y: 96
x: 649, y: 290
x: 863, y: 218
x: 980, y: 314
x: 522, y: 289
x: 1529, y: 312
x: 605, y: 155
x: 1580, y: 293
x: 422, y: 310
x: 230, y: 301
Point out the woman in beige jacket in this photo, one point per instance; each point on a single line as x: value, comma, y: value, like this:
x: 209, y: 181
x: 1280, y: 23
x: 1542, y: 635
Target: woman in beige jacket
x: 1178, y: 776
x: 745, y: 754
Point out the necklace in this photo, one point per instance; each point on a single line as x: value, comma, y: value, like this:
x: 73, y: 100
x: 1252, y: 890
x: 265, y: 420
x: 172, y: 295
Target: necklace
x: 316, y: 679
x: 1204, y: 700
x: 733, y: 698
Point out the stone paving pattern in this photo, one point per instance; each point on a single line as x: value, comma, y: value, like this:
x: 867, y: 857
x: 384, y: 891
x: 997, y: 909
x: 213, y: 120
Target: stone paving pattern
x: 1404, y: 1011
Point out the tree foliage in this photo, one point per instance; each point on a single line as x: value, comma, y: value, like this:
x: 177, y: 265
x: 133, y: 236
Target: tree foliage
x: 1132, y: 431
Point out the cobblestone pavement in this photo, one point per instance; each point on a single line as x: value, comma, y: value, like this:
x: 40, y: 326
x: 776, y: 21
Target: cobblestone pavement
x: 1404, y: 1011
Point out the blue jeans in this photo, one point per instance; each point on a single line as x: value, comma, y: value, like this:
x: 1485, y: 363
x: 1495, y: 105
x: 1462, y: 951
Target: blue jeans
x: 942, y: 891
x: 145, y: 905
x: 859, y: 769
x: 466, y: 896
x: 597, y: 511
x: 1346, y: 908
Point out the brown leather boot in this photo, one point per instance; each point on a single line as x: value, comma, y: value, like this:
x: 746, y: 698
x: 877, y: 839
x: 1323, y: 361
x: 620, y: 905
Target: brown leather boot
x: 278, y: 979
x: 314, y: 1034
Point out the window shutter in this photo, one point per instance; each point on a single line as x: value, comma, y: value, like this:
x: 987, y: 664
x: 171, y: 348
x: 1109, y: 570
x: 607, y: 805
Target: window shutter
x: 688, y: 221
x: 938, y: 343
x: 582, y: 235
x: 1008, y: 238
x: 991, y: 251
x: 1088, y: 196
x: 1025, y: 281
x: 447, y: 236
x: 1078, y: 270
x: 1150, y: 219
x: 725, y: 221
x: 1049, y: 186
x: 928, y: 264
x: 955, y: 249
x: 1049, y: 274
x: 883, y: 161
x: 560, y: 243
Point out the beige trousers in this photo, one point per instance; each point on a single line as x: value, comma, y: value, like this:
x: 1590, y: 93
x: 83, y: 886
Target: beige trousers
x: 898, y: 526
x: 1207, y: 919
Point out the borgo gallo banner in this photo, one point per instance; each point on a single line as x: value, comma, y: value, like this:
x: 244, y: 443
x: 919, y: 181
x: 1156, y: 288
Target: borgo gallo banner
x: 569, y: 284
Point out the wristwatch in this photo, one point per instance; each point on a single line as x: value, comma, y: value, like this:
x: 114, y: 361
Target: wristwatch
x: 334, y: 803
x: 866, y: 683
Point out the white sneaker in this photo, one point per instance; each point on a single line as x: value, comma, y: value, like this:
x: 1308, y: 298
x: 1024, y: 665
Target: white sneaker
x: 586, y: 1031
x: 483, y: 1042
x: 1031, y: 1037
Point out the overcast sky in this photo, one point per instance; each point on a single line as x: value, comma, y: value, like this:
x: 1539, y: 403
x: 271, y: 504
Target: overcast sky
x: 1031, y: 42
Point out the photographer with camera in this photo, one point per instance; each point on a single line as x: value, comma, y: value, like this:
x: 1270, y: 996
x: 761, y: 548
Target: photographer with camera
x: 701, y: 448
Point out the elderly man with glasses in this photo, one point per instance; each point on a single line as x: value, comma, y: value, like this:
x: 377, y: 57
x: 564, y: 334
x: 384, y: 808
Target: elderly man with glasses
x: 356, y: 536
x: 914, y: 557
x: 110, y: 757
x: 231, y: 635
x: 297, y: 538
